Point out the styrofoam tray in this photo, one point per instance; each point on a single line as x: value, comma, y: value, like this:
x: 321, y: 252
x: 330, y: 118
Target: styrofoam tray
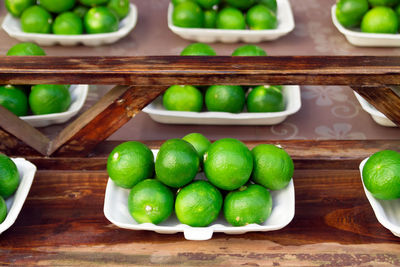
x: 116, y: 211
x: 285, y: 25
x: 376, y: 115
x: 14, y: 203
x: 13, y: 28
x: 358, y: 38
x: 78, y: 98
x: 291, y: 94
x: 386, y: 211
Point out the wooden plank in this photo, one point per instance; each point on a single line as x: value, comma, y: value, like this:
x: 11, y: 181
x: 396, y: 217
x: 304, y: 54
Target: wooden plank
x: 116, y: 108
x: 384, y: 99
x: 168, y: 70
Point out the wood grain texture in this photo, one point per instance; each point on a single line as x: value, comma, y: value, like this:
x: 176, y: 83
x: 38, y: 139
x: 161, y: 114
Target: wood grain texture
x: 62, y: 223
x: 169, y: 70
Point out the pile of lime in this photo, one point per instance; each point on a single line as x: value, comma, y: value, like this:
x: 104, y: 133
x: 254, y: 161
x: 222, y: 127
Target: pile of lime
x: 381, y: 174
x: 228, y: 14
x: 9, y: 182
x: 38, y: 99
x: 169, y: 184
x: 371, y: 16
x: 224, y: 98
x: 69, y: 17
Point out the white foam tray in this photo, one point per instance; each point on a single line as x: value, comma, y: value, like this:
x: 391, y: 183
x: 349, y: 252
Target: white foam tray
x: 78, y: 98
x: 358, y: 38
x: 376, y: 115
x: 116, y: 211
x: 291, y: 94
x: 386, y: 211
x: 13, y: 28
x: 14, y: 203
x: 285, y: 26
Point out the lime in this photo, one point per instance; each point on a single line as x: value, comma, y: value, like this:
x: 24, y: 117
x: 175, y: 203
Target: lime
x: 26, y: 49
x: 210, y: 19
x: 247, y: 205
x: 16, y: 7
x: 68, y: 23
x: 381, y: 174
x: 278, y: 87
x: 14, y: 100
x: 265, y: 99
x: 130, y: 163
x: 177, y: 163
x: 271, y: 4
x: 228, y: 163
x: 383, y: 2
x: 199, y: 142
x: 350, y: 12
x: 36, y: 19
x: 3, y: 210
x: 230, y: 18
x: 9, y: 177
x: 188, y: 15
x: 380, y: 20
x: 49, y: 98
x: 249, y: 50
x: 80, y: 11
x: 150, y: 202
x: 26, y: 89
x: 119, y: 7
x: 57, y: 6
x: 260, y: 17
x: 198, y: 49
x: 177, y: 2
x: 198, y: 204
x: 100, y: 20
x: 183, y: 98
x: 241, y: 4
x: 207, y: 4
x: 93, y: 2
x: 225, y: 98
x: 273, y: 167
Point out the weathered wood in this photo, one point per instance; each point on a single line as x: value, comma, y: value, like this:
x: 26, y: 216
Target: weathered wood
x: 168, y: 70
x: 384, y: 99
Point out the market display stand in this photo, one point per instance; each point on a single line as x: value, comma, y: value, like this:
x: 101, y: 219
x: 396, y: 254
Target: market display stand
x: 62, y: 221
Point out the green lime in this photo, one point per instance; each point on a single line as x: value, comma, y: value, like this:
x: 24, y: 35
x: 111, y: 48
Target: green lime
x: 150, y: 202
x: 9, y: 176
x: 93, y: 2
x: 26, y: 89
x: 49, y: 98
x: 177, y: 2
x: 381, y: 174
x: 249, y: 50
x: 247, y: 205
x: 208, y: 4
x: 210, y: 19
x: 380, y: 20
x: 350, y: 12
x: 58, y: 6
x: 17, y: 7
x: 271, y: 4
x: 120, y: 7
x: 225, y: 98
x: 188, y: 15
x: 228, y: 164
x: 273, y: 167
x: 177, y: 163
x: 260, y: 17
x: 80, y: 11
x: 26, y: 49
x: 198, y: 49
x: 265, y: 99
x: 230, y: 18
x: 68, y: 23
x: 199, y: 142
x: 3, y: 210
x: 198, y: 204
x: 14, y: 100
x: 100, y: 20
x: 278, y: 87
x: 183, y: 98
x: 241, y: 4
x: 383, y: 2
x: 130, y: 163
x: 36, y: 19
